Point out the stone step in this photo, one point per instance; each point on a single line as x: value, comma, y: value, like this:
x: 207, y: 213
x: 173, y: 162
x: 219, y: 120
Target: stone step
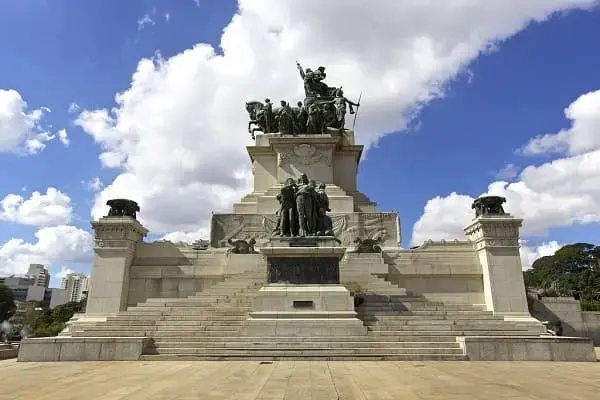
x: 223, y: 308
x: 174, y: 338
x: 415, y: 306
x: 299, y: 351
x: 449, y: 314
x: 306, y: 356
x: 437, y: 317
x: 471, y: 332
x: 188, y: 323
x: 302, y: 344
x: 424, y: 325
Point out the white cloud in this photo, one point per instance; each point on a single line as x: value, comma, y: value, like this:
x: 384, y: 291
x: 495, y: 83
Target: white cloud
x: 531, y: 253
x: 63, y: 137
x: 51, y: 208
x: 581, y: 137
x: 146, y: 20
x: 197, y: 3
x: 562, y: 192
x: 21, y: 130
x: 64, y: 271
x: 443, y: 219
x: 56, y: 244
x: 167, y: 16
x: 178, y: 132
x: 74, y: 108
x: 186, y: 237
x: 508, y: 172
x: 93, y: 185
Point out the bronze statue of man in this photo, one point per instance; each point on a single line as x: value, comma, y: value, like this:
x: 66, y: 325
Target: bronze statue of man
x: 305, y: 204
x: 288, y: 212
x: 286, y: 119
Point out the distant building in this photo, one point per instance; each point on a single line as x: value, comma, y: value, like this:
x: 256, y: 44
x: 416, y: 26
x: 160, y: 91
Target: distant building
x: 75, y: 287
x: 33, y: 287
x: 40, y: 275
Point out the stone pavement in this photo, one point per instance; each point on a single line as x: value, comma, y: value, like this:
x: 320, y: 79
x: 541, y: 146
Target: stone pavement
x: 298, y: 380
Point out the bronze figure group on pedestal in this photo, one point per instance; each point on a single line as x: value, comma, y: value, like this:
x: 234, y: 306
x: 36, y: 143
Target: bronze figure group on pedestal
x: 323, y: 108
x: 303, y: 209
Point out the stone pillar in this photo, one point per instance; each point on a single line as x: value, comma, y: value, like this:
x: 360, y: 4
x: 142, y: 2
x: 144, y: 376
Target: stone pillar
x: 496, y: 241
x: 116, y: 239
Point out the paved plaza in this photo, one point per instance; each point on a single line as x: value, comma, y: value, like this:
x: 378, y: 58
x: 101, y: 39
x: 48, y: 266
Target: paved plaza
x: 299, y: 380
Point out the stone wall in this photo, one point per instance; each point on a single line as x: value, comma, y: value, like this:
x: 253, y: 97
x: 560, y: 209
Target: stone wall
x: 568, y: 310
x: 445, y: 271
x: 167, y: 270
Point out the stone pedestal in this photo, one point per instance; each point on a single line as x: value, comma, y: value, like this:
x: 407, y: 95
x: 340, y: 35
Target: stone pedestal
x: 303, y: 296
x: 116, y: 240
x: 496, y: 241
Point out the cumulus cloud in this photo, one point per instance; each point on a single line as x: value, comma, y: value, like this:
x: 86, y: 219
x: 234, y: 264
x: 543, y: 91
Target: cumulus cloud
x: 561, y: 192
x: 63, y: 137
x: 531, y: 253
x: 178, y: 131
x: 93, y: 185
x: 185, y: 237
x: 21, y: 129
x: 54, y: 244
x: 508, y: 172
x: 581, y: 137
x: 49, y: 209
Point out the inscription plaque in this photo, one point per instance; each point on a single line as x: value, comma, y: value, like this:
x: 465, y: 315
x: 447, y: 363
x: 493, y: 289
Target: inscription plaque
x: 303, y: 270
x: 303, y: 304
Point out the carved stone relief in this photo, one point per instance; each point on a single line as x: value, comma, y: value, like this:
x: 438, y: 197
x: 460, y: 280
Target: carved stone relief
x: 346, y: 227
x: 304, y: 154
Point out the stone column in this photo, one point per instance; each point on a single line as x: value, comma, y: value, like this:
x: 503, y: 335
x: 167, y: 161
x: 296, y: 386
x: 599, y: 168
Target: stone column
x: 116, y: 240
x: 496, y: 241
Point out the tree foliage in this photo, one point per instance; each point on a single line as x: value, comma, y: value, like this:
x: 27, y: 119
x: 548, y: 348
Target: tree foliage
x: 574, y: 270
x: 7, y: 303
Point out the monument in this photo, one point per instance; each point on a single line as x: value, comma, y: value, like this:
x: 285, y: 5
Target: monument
x: 306, y: 267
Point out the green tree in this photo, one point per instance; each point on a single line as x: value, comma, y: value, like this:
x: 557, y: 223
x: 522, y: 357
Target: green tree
x: 64, y: 312
x: 7, y: 303
x: 574, y: 270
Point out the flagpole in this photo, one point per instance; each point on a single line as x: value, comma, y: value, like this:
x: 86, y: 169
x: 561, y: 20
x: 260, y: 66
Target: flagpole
x: 356, y: 113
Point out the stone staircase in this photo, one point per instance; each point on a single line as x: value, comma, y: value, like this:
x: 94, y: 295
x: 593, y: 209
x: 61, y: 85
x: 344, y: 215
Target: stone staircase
x: 210, y: 326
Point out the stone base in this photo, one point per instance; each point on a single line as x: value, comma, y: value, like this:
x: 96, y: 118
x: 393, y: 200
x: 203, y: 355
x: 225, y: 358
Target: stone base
x: 307, y: 241
x: 82, y: 348
x: 527, y: 348
x: 7, y: 351
x: 304, y: 310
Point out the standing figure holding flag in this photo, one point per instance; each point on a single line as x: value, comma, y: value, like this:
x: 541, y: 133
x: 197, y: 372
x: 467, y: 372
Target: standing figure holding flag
x: 340, y: 102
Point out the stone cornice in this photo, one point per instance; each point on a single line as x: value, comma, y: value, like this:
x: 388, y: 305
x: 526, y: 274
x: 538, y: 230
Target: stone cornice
x: 494, y: 231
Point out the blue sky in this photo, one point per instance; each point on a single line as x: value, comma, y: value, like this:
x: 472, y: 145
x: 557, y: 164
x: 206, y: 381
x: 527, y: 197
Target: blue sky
x: 63, y: 52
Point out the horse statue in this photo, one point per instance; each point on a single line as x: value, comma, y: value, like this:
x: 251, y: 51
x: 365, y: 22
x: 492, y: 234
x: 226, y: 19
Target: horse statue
x: 258, y: 117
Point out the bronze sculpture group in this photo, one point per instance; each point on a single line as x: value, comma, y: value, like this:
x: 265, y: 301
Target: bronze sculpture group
x: 489, y: 205
x: 122, y: 208
x: 303, y: 209
x: 323, y: 108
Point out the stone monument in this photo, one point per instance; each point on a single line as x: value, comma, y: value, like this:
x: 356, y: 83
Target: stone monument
x: 272, y: 280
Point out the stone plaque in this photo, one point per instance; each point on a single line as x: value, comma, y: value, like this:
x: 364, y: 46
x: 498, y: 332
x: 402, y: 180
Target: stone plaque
x: 303, y: 270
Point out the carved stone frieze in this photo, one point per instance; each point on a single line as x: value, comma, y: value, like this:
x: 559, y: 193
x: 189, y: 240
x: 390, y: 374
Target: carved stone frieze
x: 494, y: 233
x: 120, y: 232
x: 304, y: 154
x: 346, y: 227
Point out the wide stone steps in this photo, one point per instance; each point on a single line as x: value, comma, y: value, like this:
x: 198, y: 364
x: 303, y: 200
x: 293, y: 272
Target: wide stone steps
x: 313, y: 351
x: 454, y: 333
x: 267, y: 356
x: 163, y: 346
x: 208, y: 341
